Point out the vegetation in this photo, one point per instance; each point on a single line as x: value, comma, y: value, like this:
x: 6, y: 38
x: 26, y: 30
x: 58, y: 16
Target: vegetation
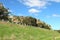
x: 57, y: 30
x: 10, y: 31
x: 24, y: 28
x: 3, y: 12
x: 4, y: 15
x: 30, y: 21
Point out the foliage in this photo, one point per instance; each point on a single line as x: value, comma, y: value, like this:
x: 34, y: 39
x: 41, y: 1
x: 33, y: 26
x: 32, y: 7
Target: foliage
x: 3, y: 12
x: 58, y: 31
x: 31, y: 21
x: 21, y: 19
x: 10, y: 31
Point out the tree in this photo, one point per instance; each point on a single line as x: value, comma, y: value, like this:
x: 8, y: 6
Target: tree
x: 3, y: 12
x: 43, y: 25
x: 46, y: 26
x: 30, y: 21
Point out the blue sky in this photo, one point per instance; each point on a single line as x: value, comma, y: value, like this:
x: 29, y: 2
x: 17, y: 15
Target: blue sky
x: 45, y: 10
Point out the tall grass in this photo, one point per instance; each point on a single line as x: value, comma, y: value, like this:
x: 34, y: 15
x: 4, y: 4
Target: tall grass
x: 10, y: 31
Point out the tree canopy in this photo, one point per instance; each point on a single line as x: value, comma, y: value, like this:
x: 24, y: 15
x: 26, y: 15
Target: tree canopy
x: 3, y: 12
x: 28, y: 20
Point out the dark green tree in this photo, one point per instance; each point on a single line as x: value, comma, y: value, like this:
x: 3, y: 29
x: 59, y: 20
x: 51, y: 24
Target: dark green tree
x: 30, y: 21
x: 3, y: 12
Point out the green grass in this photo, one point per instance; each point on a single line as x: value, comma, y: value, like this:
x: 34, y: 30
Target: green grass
x: 10, y: 31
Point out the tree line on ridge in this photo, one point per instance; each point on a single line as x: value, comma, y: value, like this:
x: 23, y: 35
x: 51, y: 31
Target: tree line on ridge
x: 23, y: 20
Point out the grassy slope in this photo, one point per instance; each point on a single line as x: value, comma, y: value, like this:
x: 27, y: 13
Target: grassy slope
x: 9, y: 31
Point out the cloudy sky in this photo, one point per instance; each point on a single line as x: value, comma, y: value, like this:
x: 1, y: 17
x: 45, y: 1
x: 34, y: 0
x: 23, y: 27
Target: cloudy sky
x: 45, y: 10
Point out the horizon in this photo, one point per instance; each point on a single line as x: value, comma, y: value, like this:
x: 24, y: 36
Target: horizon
x: 45, y: 10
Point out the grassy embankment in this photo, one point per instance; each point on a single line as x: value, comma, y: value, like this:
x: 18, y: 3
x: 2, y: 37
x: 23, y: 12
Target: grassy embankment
x: 10, y: 31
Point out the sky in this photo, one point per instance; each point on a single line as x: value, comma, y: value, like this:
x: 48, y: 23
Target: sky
x: 45, y: 10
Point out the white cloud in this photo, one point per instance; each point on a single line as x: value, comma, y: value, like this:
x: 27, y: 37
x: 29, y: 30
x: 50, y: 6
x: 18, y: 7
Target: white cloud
x: 57, y: 0
x: 34, y: 3
x: 54, y: 0
x: 33, y: 11
x: 56, y: 15
x: 53, y: 15
x: 39, y: 4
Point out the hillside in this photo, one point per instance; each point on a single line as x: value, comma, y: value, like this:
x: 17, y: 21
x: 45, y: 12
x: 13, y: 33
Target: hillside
x: 10, y: 31
x: 6, y: 15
